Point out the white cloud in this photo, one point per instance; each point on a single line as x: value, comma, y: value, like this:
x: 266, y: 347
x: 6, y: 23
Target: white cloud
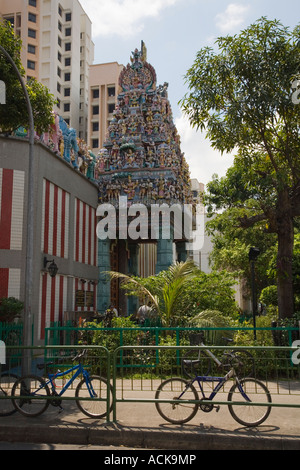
x: 122, y: 17
x: 202, y: 159
x: 232, y: 18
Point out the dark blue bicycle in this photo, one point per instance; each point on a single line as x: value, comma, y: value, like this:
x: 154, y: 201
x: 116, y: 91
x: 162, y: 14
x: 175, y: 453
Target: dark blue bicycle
x: 31, y: 395
x: 249, y: 398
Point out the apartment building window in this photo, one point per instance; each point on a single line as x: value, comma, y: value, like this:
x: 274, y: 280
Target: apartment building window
x: 59, y: 56
x: 58, y: 71
x: 32, y: 17
x: 31, y: 49
x: 59, y: 26
x: 32, y: 3
x: 10, y: 19
x: 95, y: 126
x: 95, y: 110
x: 68, y: 17
x: 111, y: 91
x: 30, y: 65
x: 59, y: 41
x: 58, y: 87
x: 67, y: 107
x: 68, y: 32
x: 95, y: 143
x: 68, y: 46
x: 67, y: 77
x: 111, y: 108
x: 60, y: 10
x: 67, y: 92
x: 67, y: 61
x: 96, y: 93
x: 31, y: 33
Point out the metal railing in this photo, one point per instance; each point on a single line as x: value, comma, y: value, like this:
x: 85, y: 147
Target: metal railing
x: 134, y: 381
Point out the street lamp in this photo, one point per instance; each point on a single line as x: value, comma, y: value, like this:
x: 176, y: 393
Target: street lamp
x: 26, y: 363
x: 52, y: 269
x: 253, y: 255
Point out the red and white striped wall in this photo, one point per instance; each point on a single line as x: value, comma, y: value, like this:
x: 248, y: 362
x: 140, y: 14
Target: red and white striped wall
x: 10, y: 282
x: 85, y: 246
x: 55, y: 220
x: 53, y: 300
x: 11, y: 209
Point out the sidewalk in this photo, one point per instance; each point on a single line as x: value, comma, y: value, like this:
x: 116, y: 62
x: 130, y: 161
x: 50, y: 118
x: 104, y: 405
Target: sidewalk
x: 140, y: 426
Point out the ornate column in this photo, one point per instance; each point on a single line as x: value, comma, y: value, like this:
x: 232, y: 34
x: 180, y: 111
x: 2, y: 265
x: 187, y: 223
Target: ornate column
x: 133, y: 268
x: 164, y: 255
x: 104, y: 264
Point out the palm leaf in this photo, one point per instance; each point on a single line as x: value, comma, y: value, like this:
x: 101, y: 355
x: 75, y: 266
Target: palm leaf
x: 138, y: 287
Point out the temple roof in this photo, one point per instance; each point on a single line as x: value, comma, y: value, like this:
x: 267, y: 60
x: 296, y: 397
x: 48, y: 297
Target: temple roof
x: 141, y: 157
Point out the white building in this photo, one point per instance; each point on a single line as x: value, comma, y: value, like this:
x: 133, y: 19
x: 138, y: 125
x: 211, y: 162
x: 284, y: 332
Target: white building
x: 57, y: 51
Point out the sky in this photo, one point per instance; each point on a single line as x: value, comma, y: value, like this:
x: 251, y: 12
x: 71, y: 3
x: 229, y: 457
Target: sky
x: 173, y: 31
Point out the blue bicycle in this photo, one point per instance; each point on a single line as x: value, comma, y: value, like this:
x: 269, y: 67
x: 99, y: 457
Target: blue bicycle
x: 178, y: 400
x: 31, y: 394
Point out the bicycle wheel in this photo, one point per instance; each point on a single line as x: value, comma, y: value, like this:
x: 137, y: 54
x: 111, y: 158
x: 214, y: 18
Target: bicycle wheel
x: 196, y: 362
x: 172, y: 389
x: 243, y: 363
x: 91, y: 396
x: 250, y: 390
x: 30, y: 395
x: 7, y: 382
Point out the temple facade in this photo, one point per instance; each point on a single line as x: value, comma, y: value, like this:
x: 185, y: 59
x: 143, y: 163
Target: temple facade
x: 140, y: 163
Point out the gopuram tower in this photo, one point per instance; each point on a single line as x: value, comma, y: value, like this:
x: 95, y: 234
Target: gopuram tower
x: 140, y: 163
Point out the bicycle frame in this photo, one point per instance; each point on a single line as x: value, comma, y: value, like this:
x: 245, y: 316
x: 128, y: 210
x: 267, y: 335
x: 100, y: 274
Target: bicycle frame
x: 220, y: 380
x: 79, y: 370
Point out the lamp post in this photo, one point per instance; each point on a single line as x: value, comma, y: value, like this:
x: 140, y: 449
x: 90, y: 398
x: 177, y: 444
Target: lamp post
x: 253, y: 255
x: 26, y: 362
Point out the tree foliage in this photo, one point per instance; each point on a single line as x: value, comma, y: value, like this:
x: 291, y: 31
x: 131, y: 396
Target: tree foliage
x: 14, y: 113
x: 182, y: 291
x: 242, y: 98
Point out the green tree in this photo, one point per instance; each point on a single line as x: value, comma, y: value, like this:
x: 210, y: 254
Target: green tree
x: 181, y: 292
x: 14, y: 114
x: 242, y: 97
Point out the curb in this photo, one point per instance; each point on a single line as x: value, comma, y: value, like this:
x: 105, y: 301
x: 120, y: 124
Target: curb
x: 140, y: 438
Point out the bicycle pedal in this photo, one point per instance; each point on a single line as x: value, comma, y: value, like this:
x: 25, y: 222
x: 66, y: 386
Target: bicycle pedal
x: 217, y: 408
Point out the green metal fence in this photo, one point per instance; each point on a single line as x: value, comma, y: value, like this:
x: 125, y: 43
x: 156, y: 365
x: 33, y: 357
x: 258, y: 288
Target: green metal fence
x: 134, y: 382
x: 115, y: 337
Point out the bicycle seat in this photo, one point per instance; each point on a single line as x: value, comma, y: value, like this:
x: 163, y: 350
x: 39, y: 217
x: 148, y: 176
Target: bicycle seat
x: 43, y: 366
x: 229, y: 340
